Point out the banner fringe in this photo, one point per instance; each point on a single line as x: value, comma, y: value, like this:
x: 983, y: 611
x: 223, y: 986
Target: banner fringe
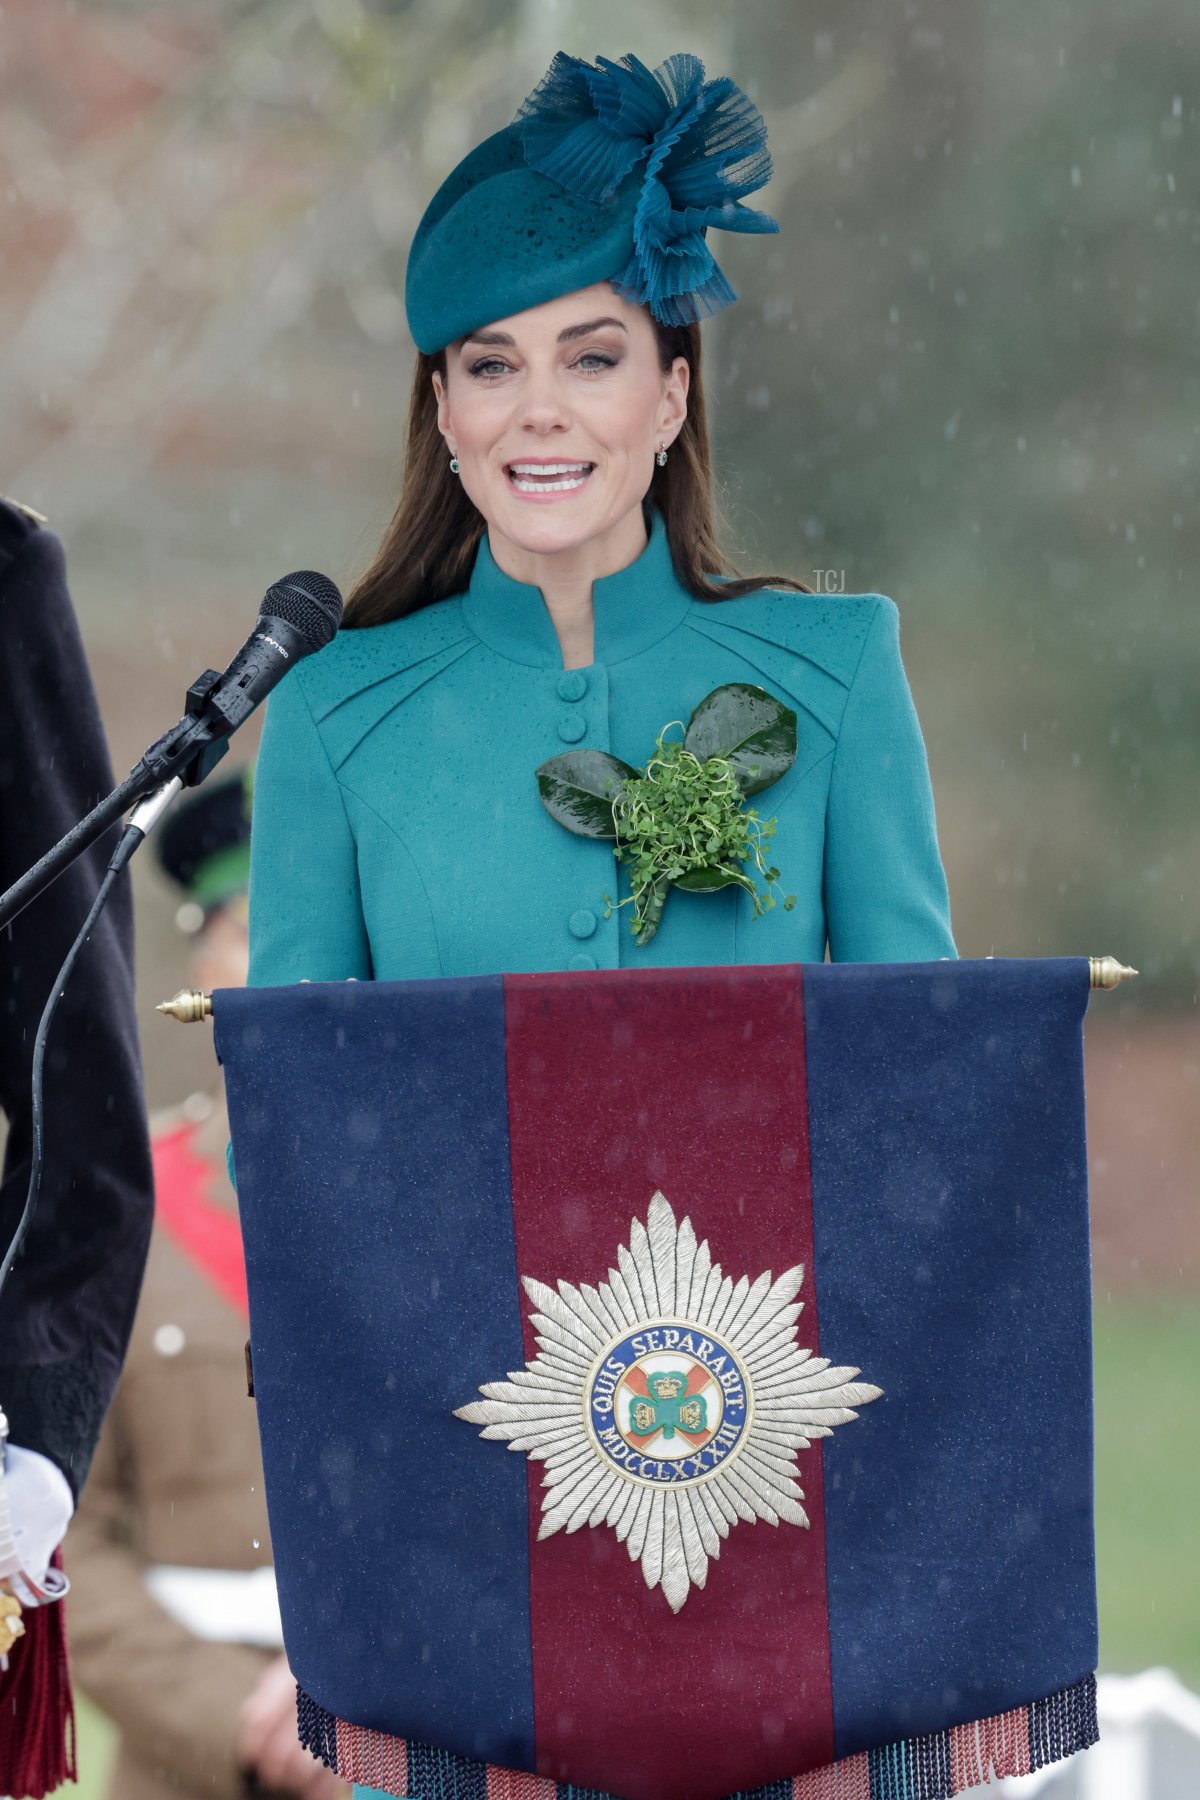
x: 935, y: 1766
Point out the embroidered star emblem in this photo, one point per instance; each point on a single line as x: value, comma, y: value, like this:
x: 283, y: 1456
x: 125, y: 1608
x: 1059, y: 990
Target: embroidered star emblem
x: 669, y: 1402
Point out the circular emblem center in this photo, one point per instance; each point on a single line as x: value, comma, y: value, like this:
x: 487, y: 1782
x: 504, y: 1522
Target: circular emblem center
x: 668, y: 1403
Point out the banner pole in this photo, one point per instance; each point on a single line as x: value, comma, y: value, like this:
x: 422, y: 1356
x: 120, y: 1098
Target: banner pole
x: 190, y: 1005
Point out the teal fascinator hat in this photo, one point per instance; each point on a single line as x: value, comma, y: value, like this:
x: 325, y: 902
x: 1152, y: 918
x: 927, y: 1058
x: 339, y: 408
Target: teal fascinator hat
x: 609, y: 172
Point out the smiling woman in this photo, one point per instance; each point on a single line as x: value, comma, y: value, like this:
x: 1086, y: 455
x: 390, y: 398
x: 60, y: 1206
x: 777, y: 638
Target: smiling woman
x: 552, y: 577
x: 540, y: 403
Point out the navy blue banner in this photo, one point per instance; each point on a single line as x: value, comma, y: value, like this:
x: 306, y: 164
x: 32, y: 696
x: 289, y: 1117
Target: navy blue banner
x: 730, y: 1323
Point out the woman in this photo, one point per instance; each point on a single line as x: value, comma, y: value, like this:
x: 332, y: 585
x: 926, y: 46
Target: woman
x: 551, y: 579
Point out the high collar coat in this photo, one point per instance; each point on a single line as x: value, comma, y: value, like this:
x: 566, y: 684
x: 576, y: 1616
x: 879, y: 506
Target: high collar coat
x: 398, y: 831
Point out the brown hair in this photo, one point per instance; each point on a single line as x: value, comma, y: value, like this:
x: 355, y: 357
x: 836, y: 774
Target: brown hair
x: 428, y: 549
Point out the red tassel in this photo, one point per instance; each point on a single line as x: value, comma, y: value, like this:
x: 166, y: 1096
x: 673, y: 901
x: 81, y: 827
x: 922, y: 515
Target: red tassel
x: 37, y: 1710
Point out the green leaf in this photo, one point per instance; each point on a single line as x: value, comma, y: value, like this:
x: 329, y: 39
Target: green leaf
x: 650, y: 906
x: 750, y: 728
x: 577, y: 789
x: 707, y: 881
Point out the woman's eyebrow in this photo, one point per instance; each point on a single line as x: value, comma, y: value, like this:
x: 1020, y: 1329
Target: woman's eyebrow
x: 572, y: 331
x: 578, y: 331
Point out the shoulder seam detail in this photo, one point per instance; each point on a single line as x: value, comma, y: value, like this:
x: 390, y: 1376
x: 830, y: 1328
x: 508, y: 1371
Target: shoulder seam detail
x: 343, y: 789
x: 333, y: 774
x: 452, y: 653
x: 867, y: 636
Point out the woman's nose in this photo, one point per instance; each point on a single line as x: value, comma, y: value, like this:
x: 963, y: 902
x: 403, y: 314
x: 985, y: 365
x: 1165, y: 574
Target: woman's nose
x: 542, y: 403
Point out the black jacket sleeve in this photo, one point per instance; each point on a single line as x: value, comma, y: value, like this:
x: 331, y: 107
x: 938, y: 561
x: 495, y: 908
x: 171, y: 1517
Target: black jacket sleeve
x: 68, y: 1305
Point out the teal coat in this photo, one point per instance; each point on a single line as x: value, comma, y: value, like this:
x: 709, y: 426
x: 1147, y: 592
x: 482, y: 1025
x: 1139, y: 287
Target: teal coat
x: 398, y: 831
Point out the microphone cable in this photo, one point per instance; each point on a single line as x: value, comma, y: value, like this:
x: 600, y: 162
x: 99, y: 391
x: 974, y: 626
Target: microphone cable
x: 140, y: 822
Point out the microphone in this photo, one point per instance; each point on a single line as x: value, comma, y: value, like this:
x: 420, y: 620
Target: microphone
x: 298, y: 615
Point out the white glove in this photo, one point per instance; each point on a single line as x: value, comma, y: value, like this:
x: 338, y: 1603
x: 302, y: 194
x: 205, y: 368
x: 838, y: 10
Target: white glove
x: 36, y: 1496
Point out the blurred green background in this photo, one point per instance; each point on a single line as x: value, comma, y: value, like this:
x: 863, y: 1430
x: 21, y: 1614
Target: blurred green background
x: 965, y: 375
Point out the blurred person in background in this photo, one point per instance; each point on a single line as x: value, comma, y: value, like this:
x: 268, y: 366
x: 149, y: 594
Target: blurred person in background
x: 69, y: 1301
x: 174, y: 1618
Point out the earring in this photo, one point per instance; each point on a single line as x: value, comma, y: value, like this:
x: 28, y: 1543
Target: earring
x: 454, y: 465
x: 661, y: 457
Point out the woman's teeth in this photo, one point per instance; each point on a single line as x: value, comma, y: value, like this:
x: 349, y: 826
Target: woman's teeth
x: 548, y: 478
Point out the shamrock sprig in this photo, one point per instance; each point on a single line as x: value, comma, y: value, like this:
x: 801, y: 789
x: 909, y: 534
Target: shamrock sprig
x: 681, y: 821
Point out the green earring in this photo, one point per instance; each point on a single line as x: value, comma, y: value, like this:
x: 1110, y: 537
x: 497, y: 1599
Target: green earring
x: 454, y: 465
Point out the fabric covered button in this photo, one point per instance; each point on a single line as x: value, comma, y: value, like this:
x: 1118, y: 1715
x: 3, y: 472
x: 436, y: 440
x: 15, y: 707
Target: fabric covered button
x: 581, y: 923
x: 572, y: 685
x: 582, y: 961
x: 571, y: 727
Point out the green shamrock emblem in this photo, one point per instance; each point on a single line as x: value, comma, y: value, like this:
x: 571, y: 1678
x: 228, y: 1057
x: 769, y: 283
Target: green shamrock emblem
x: 669, y: 1407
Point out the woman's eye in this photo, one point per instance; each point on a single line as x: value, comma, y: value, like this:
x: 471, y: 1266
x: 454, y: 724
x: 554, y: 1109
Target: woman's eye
x: 490, y: 368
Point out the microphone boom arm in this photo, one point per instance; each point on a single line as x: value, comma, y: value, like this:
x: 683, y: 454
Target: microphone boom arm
x: 189, y: 751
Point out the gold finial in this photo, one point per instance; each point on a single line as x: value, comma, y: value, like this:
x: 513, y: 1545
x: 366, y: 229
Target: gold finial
x: 189, y: 1005
x: 1107, y: 972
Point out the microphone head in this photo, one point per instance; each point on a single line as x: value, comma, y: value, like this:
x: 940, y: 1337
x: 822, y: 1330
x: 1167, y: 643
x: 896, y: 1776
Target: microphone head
x: 309, y: 603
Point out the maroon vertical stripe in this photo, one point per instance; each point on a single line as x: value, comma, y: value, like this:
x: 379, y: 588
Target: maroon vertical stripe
x: 692, y: 1081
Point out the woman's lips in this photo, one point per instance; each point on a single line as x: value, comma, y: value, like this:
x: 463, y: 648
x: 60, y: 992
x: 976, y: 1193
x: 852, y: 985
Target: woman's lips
x: 547, y: 481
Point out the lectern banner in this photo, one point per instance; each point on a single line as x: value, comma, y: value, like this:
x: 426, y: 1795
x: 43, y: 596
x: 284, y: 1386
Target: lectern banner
x: 675, y: 1383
